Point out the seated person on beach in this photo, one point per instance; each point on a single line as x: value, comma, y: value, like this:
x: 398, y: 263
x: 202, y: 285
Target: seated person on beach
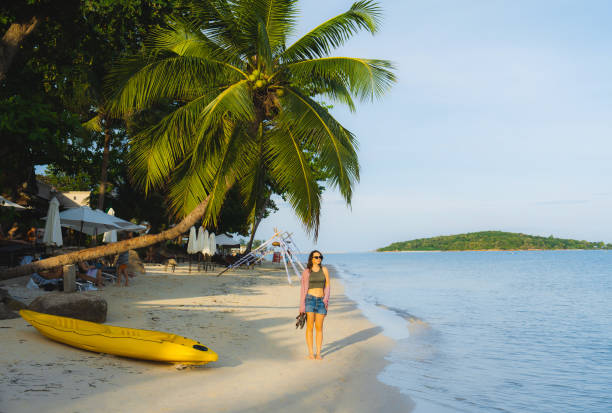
x: 122, y: 264
x: 171, y: 262
x: 48, y: 279
x: 31, y: 235
x: 13, y: 232
x: 90, y: 273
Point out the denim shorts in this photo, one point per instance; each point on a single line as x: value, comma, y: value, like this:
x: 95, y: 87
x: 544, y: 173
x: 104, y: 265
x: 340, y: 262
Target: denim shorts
x: 315, y: 305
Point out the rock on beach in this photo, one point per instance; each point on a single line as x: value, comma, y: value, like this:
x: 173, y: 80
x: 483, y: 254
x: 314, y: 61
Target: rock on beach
x: 9, y: 306
x: 80, y: 305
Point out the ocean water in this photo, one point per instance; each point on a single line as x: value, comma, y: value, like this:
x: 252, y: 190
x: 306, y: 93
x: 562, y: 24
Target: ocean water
x: 491, y: 331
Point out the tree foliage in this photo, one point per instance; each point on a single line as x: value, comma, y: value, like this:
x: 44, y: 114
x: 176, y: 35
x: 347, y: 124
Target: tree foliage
x: 54, y: 80
x: 32, y: 133
x: 492, y: 240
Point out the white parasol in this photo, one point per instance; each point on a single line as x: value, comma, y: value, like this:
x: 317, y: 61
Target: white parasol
x: 205, y: 244
x: 53, y: 231
x: 212, y: 243
x: 110, y: 236
x: 93, y: 221
x: 6, y: 203
x: 199, y: 239
x: 191, y: 244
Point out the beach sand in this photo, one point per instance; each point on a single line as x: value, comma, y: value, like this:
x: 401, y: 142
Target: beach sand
x: 246, y: 316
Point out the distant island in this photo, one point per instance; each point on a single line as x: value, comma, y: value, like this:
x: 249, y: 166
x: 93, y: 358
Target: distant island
x: 493, y: 241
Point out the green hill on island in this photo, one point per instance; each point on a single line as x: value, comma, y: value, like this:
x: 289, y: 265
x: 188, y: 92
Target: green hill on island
x: 492, y: 240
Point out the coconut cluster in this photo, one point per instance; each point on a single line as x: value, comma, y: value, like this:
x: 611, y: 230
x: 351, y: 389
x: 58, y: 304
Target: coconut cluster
x: 258, y: 79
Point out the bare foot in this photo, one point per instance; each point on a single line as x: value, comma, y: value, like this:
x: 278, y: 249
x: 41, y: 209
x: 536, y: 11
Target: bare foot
x: 319, y: 357
x: 311, y: 357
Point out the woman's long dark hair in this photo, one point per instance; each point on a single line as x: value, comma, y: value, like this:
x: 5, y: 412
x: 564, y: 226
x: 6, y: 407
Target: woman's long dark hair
x: 309, y: 265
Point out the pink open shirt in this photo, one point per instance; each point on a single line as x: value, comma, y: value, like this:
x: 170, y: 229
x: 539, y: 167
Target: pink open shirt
x: 304, y: 291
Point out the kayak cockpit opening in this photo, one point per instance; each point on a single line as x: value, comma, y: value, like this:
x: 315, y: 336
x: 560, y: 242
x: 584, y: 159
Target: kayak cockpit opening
x: 200, y: 347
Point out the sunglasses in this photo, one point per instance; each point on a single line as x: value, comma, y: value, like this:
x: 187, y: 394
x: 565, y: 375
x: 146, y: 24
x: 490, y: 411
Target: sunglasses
x: 317, y: 257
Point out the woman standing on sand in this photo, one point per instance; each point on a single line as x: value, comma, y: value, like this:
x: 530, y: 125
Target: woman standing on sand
x: 314, y: 298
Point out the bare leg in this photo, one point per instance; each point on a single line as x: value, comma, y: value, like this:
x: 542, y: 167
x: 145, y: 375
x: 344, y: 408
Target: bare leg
x: 99, y: 281
x: 86, y: 277
x: 122, y: 272
x: 310, y: 318
x: 319, y: 326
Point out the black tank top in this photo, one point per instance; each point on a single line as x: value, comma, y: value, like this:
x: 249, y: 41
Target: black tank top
x: 316, y: 279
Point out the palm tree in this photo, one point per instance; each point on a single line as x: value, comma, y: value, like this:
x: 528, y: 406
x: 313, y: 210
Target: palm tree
x: 244, y: 108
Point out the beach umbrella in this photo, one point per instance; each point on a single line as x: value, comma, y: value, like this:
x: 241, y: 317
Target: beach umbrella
x: 10, y: 204
x: 110, y: 236
x: 87, y: 220
x: 53, y: 231
x: 129, y: 226
x: 212, y: 243
x: 93, y: 221
x: 200, y: 240
x: 191, y: 244
x: 205, y: 245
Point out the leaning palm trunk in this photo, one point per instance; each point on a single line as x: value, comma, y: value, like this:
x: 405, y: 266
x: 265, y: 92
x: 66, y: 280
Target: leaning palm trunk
x: 111, y: 249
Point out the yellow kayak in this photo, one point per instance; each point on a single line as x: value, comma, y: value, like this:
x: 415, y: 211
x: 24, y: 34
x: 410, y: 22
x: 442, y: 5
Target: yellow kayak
x: 121, y: 341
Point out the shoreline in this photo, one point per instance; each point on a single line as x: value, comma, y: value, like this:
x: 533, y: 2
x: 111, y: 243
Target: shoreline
x: 246, y: 316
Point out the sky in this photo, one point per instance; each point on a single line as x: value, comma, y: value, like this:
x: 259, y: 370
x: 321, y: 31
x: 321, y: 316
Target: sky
x: 500, y: 120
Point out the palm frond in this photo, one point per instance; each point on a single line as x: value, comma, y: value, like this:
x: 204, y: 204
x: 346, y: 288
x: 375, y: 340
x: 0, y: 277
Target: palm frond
x: 218, y: 23
x: 234, y: 102
x: 187, y: 189
x: 336, y: 145
x: 320, y: 41
x: 225, y: 166
x: 252, y: 183
x: 186, y: 38
x: 291, y: 170
x: 365, y: 78
x: 264, y: 52
x: 156, y: 150
x: 279, y: 17
x: 138, y: 83
x: 194, y: 181
x: 331, y: 89
x: 94, y: 124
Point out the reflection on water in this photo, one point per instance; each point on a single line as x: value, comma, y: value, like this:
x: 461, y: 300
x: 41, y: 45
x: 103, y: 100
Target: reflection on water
x: 492, y: 331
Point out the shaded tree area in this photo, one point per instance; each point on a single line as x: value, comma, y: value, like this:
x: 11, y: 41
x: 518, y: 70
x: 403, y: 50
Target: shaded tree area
x: 52, y: 82
x: 492, y: 240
